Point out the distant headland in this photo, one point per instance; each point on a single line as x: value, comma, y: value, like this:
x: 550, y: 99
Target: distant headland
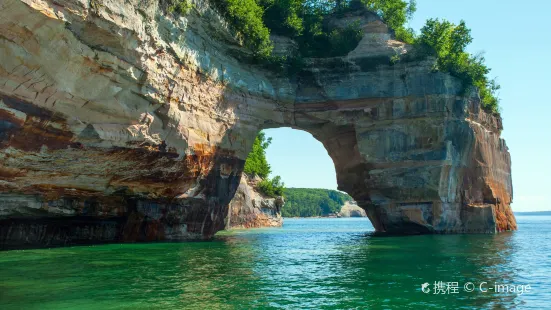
x: 536, y: 213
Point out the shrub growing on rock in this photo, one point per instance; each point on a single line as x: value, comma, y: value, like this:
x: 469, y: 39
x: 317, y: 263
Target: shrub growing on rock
x: 447, y: 42
x: 306, y: 22
x: 396, y: 14
x: 272, y: 187
x: 246, y: 17
x: 181, y: 7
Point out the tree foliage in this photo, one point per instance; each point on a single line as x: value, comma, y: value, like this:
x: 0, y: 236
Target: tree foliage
x: 284, y: 16
x: 306, y: 21
x: 257, y: 164
x: 246, y: 18
x: 396, y: 14
x: 309, y: 202
x: 272, y: 187
x: 447, y: 42
x: 180, y: 7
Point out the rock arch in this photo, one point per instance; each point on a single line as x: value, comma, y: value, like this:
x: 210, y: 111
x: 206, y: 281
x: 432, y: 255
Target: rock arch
x: 119, y: 123
x: 417, y: 163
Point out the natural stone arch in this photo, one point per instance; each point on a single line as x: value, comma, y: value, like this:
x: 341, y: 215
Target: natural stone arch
x: 120, y: 123
x: 411, y: 172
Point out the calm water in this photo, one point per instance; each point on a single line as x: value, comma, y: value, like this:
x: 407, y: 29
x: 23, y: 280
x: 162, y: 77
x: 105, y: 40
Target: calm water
x: 310, y: 263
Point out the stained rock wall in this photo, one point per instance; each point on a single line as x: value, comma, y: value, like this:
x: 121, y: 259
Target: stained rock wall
x: 249, y: 208
x: 121, y: 123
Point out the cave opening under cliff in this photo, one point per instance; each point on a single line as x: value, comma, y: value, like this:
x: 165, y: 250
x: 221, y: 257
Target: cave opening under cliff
x: 307, y: 162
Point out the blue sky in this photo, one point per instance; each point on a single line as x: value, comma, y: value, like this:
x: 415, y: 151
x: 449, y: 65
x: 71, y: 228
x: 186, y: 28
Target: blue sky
x: 516, y: 41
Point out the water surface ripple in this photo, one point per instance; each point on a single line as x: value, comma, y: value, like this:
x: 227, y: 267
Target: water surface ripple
x: 308, y: 264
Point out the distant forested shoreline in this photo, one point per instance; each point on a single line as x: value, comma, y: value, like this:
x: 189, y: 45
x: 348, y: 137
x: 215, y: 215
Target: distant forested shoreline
x: 538, y: 213
x: 312, y: 202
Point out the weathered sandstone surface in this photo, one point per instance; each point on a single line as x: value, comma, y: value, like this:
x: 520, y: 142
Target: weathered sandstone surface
x: 249, y: 208
x: 121, y: 123
x: 351, y: 209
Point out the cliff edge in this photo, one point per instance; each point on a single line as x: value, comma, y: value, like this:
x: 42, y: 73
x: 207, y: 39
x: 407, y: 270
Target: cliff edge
x: 249, y: 208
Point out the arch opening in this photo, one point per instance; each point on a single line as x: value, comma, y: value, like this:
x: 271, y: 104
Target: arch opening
x: 307, y: 161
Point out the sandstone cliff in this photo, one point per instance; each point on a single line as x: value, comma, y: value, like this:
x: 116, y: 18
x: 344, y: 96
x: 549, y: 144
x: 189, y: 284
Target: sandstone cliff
x: 249, y: 208
x: 121, y: 123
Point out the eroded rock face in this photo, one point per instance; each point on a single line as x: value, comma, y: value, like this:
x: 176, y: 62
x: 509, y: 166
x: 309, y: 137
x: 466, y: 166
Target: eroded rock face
x: 249, y: 208
x: 351, y: 209
x: 120, y: 123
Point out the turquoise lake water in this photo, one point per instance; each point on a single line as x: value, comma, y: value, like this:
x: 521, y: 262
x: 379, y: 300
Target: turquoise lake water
x: 307, y: 264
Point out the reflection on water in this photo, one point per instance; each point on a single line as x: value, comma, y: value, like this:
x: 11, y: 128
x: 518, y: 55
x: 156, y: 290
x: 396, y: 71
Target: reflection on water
x: 310, y: 263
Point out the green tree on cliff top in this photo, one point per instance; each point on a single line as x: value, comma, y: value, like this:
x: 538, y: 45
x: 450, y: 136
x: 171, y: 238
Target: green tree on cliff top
x: 448, y: 42
x: 257, y: 164
x: 306, y: 21
x: 256, y: 161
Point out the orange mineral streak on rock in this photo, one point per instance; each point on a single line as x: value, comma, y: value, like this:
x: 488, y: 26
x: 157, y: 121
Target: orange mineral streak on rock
x: 20, y: 35
x: 30, y: 128
x: 36, y: 134
x: 489, y: 181
x: 505, y: 220
x: 10, y: 116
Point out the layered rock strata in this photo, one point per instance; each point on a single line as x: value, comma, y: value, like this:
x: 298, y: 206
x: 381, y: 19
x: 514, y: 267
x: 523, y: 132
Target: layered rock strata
x: 119, y: 123
x: 249, y: 208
